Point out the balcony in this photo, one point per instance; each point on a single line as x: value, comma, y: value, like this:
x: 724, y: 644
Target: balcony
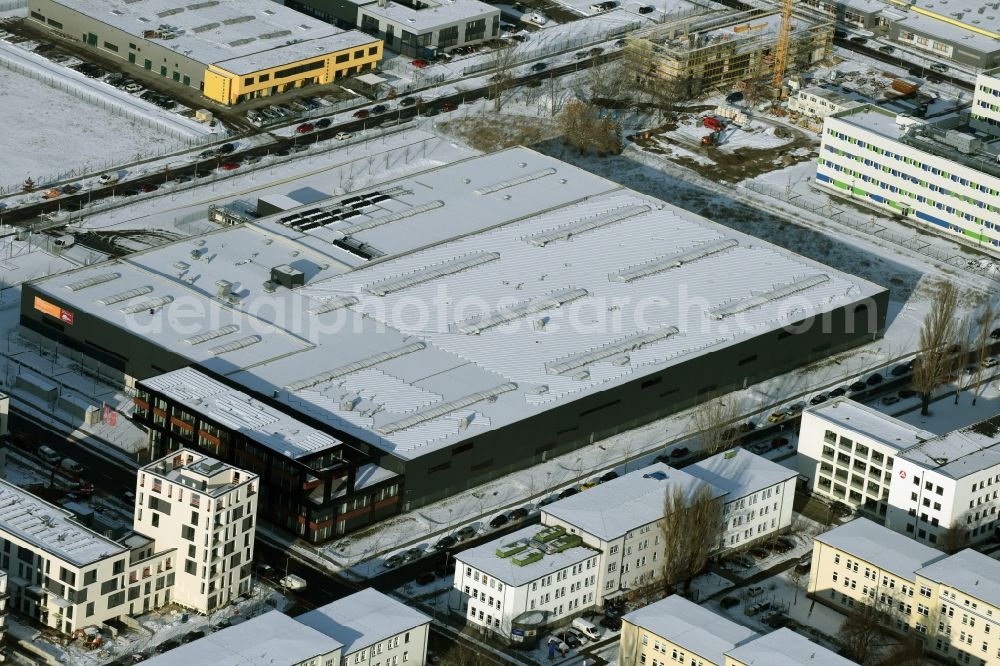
x: 841, y: 474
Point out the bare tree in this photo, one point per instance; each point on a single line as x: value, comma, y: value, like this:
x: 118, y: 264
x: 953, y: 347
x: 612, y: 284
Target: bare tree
x: 797, y: 579
x: 956, y: 537
x: 909, y: 651
x: 691, y: 529
x: 981, y: 346
x: 502, y: 61
x: 714, y: 422
x: 935, y: 360
x: 961, y: 350
x: 861, y: 633
x: 583, y: 128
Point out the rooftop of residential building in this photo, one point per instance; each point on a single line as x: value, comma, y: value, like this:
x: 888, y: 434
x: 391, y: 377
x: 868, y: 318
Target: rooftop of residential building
x: 784, y: 647
x: 50, y: 529
x: 740, y: 473
x: 880, y: 546
x: 969, y: 572
x: 198, y: 472
x: 239, y: 37
x: 364, y: 619
x: 961, y: 452
x: 521, y: 557
x: 873, y: 424
x: 629, y: 502
x: 266, y: 640
x: 691, y: 627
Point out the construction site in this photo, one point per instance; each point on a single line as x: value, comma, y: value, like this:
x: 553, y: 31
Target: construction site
x: 747, y: 51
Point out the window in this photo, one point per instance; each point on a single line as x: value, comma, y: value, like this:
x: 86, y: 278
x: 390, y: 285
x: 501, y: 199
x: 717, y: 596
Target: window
x: 248, y: 81
x: 111, y: 47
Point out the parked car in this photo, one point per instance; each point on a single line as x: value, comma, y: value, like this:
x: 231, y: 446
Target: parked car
x: 520, y: 513
x: 49, y: 455
x: 499, y: 521
x: 776, y: 417
x: 229, y: 166
x: 609, y: 476
x: 890, y: 400
x: 779, y: 442
x: 293, y: 582
x: 755, y: 590
x: 906, y: 393
x: 148, y: 187
x: 445, y: 542
x: 412, y: 554
x: 342, y: 136
x: 874, y: 380
x: 818, y: 399
x: 71, y: 466
x: 680, y: 452
x: 538, y: 66
x: 901, y: 370
x: 569, y: 639
x: 305, y: 128
x: 323, y: 123
x: 379, y: 108
x: 839, y: 391
x: 590, y: 483
x: 108, y: 178
x: 425, y: 578
x: 596, y: 51
x: 859, y: 40
x: 886, y: 49
x: 559, y: 644
x: 939, y: 67
x: 580, y: 55
x: 858, y: 386
x: 361, y: 113
x: 407, y: 101
x: 796, y: 408
x: 448, y: 106
x: 760, y: 552
x: 611, y: 622
x: 419, y: 63
x: 646, y: 9
x: 132, y: 88
x: 568, y: 492
x: 586, y: 628
x: 466, y: 532
x: 729, y: 602
x: 989, y: 362
x: 392, y: 562
x: 995, y: 334
x: 840, y: 510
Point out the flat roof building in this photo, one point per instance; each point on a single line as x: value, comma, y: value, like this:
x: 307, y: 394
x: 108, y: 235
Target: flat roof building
x: 231, y: 52
x: 784, y: 647
x: 985, y: 112
x: 965, y: 31
x: 468, y: 321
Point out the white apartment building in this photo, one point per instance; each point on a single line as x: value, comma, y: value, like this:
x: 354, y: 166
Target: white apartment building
x: 819, y: 102
x: 373, y: 629
x: 848, y: 452
x: 942, y: 180
x: 622, y: 520
x: 207, y: 510
x: 530, y: 578
x: 759, y: 495
x: 985, y: 112
x: 949, y: 480
x: 271, y: 639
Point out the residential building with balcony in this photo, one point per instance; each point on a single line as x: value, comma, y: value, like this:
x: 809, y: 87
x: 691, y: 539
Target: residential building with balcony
x: 373, y: 629
x: 207, y: 510
x: 311, y: 482
x: 848, y: 453
x: 938, y: 178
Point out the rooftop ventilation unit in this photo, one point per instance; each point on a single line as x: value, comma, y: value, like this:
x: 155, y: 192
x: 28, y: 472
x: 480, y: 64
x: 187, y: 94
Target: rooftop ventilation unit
x: 151, y: 305
x: 124, y: 295
x: 92, y: 281
x: 775, y: 294
x: 477, y: 325
x: 567, y: 231
x: 206, y: 27
x: 350, y: 368
x: 379, y: 221
x: 287, y: 276
x: 334, y: 304
x: 212, y: 335
x: 446, y: 408
x: 223, y: 288
x: 614, y: 349
x: 527, y: 178
x: 449, y: 267
x: 672, y: 261
x: 238, y: 19
x: 235, y: 345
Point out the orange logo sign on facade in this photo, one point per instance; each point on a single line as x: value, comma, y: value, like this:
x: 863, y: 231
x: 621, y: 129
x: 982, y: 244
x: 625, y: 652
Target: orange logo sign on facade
x: 53, y: 310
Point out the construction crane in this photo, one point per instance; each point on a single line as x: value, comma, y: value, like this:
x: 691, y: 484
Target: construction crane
x: 781, y: 51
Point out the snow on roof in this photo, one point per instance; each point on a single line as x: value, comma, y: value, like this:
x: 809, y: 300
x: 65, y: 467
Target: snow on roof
x: 960, y: 452
x: 266, y: 640
x: 370, y: 474
x: 958, y: 22
x: 363, y: 619
x: 238, y: 37
x: 871, y: 423
x: 485, y: 559
x: 784, y: 647
x: 431, y: 15
x: 498, y: 236
x: 199, y: 472
x: 691, y: 627
x: 740, y: 473
x: 969, y: 572
x: 617, y: 507
x: 880, y: 546
x: 51, y: 529
x: 240, y: 412
x: 874, y: 119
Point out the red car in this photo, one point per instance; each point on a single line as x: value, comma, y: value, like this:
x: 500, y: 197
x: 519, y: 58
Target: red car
x: 419, y: 63
x: 148, y: 187
x: 448, y: 106
x: 305, y: 127
x: 361, y: 113
x: 229, y: 166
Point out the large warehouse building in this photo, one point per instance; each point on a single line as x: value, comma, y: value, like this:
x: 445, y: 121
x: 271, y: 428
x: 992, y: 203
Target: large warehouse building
x: 229, y: 51
x: 461, y: 323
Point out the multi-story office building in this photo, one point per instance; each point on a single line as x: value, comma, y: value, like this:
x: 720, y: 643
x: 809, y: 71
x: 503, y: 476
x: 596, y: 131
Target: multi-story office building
x: 514, y: 585
x: 207, y: 510
x: 848, y: 452
x: 943, y: 180
x: 231, y: 52
x: 985, y: 112
x: 675, y: 630
x: 311, y: 482
x: 373, y: 629
x: 951, y: 603
x: 758, y: 497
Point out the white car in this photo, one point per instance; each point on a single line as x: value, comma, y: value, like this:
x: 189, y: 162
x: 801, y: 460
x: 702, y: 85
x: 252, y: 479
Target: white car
x: 342, y: 136
x: 133, y: 88
x: 538, y: 18
x: 990, y: 362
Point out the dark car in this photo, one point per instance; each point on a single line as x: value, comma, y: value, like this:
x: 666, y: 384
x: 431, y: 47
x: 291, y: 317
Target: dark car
x: 747, y: 426
x: 680, y: 452
x: 839, y: 391
x: 874, y: 380
x: 538, y: 66
x: 499, y: 521
x: 995, y: 334
x: 646, y: 9
x: 840, y: 33
x: 205, y: 154
x: 818, y: 399
x: 568, y: 492
x: 901, y: 370
x: 193, y: 635
x: 609, y: 476
x: 380, y: 108
x: 70, y: 188
x: 323, y: 123
x: 466, y: 533
x: 596, y: 51
x: 519, y: 513
x: 425, y: 578
x: 407, y: 101
x: 906, y: 393
x: 859, y: 40
x: 886, y: 49
x: 733, y: 98
x: 519, y: 38
x: 858, y: 386
x: 445, y: 542
x: 226, y: 148
x: 569, y: 639
x: 840, y: 510
x: 729, y: 602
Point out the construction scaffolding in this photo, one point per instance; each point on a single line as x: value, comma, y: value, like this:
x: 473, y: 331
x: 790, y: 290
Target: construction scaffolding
x: 725, y: 50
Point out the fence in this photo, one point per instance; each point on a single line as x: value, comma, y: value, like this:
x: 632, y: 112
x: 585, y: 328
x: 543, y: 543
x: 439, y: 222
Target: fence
x: 869, y: 226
